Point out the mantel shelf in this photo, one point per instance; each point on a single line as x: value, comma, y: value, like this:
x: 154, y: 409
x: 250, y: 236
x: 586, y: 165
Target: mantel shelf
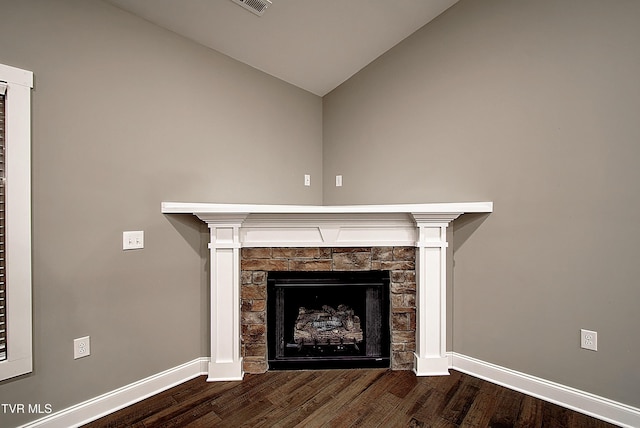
x: 426, y: 208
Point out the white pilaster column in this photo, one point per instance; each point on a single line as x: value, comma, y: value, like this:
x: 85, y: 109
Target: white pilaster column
x: 224, y: 248
x: 431, y: 294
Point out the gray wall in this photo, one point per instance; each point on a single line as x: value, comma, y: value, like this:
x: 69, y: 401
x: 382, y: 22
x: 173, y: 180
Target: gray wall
x: 533, y: 105
x: 126, y: 115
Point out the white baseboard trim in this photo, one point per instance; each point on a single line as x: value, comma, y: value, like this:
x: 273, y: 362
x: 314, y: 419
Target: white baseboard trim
x: 580, y: 401
x: 571, y: 398
x: 120, y: 398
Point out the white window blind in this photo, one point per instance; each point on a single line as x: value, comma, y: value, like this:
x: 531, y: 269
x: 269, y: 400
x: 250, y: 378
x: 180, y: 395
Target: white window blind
x: 16, y: 353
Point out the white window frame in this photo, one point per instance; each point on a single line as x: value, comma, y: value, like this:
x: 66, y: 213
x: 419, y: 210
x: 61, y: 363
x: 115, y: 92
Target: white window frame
x: 18, y: 221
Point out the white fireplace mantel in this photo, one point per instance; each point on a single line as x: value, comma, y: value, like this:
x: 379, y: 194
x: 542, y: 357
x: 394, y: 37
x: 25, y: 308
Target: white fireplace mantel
x: 233, y: 226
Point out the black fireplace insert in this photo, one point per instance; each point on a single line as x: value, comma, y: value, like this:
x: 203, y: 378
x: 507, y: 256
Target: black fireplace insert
x: 324, y: 320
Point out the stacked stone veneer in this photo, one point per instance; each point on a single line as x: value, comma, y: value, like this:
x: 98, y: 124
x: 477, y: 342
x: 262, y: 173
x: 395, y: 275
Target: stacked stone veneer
x: 257, y: 262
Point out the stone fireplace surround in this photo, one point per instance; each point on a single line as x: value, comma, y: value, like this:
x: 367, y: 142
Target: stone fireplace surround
x: 257, y: 262
x: 239, y: 232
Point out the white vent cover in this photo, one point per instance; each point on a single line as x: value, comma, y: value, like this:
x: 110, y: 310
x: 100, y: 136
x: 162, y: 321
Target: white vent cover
x: 256, y: 6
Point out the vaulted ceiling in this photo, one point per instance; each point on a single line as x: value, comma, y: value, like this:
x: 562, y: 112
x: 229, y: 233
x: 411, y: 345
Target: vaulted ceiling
x: 313, y: 44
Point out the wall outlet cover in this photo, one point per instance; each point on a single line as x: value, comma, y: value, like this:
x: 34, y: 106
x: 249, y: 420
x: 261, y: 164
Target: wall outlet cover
x: 81, y: 347
x: 589, y: 339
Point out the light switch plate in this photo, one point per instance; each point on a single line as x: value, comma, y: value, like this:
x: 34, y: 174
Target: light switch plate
x: 133, y: 240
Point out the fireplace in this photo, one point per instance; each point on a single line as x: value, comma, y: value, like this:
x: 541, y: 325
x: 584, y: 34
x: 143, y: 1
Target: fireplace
x: 236, y: 227
x: 257, y: 264
x: 323, y: 320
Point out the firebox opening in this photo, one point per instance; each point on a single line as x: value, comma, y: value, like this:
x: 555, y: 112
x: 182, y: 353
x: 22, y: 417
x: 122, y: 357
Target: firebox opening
x: 322, y: 320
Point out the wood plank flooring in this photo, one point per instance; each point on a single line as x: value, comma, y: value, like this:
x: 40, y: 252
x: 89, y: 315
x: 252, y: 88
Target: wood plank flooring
x: 345, y: 398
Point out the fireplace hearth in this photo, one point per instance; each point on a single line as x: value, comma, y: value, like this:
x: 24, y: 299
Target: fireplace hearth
x: 323, y: 320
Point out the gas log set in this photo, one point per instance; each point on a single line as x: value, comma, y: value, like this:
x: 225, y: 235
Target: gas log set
x: 328, y: 319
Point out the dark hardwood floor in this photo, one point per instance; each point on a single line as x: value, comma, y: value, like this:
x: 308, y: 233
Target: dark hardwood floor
x: 345, y: 398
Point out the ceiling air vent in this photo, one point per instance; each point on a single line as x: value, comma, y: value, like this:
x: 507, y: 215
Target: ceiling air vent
x: 256, y: 6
